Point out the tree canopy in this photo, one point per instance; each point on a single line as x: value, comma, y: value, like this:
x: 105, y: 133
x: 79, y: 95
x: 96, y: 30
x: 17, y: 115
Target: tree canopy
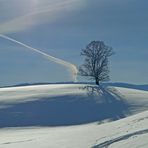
x: 96, y: 61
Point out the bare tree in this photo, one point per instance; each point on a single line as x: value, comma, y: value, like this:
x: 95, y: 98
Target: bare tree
x: 96, y: 61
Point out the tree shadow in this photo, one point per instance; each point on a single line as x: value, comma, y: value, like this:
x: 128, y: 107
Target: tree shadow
x: 97, y: 105
x: 115, y: 106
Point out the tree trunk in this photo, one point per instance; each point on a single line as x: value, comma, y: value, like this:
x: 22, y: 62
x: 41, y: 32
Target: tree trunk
x: 97, y: 82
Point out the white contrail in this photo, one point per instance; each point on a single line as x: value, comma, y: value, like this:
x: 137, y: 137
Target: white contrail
x: 68, y: 65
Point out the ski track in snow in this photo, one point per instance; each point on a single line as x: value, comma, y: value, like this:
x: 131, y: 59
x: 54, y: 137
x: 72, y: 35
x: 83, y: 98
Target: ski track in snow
x: 6, y: 143
x: 124, y: 137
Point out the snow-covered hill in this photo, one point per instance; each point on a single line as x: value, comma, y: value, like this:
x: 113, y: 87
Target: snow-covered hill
x: 82, y: 113
x: 125, y: 133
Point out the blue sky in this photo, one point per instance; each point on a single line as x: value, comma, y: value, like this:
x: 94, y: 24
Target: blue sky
x: 62, y: 28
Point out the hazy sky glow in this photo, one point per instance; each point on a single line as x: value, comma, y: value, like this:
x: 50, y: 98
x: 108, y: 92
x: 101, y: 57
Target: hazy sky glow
x: 62, y: 28
x: 37, y: 13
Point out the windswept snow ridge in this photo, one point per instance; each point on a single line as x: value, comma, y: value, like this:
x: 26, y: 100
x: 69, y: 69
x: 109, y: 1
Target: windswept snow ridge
x: 66, y: 64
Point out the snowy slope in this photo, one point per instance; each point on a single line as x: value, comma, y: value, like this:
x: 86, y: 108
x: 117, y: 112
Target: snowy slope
x: 125, y: 133
x: 32, y: 111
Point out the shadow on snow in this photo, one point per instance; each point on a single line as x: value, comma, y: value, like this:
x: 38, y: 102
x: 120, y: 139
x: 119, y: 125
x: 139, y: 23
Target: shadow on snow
x: 99, y: 104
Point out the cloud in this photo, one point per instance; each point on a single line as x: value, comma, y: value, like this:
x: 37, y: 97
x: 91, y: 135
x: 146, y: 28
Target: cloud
x: 47, y: 11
